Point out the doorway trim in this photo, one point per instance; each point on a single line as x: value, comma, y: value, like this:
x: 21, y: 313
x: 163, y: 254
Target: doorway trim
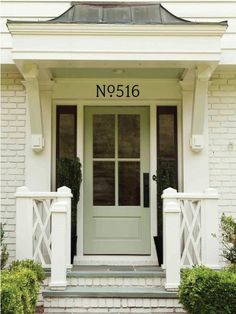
x: 151, y: 259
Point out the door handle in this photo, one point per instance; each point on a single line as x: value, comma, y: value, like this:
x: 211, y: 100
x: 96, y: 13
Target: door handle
x: 154, y: 177
x: 145, y: 189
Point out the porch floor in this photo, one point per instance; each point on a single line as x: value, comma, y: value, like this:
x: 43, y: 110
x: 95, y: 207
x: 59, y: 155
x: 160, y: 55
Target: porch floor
x: 108, y: 268
x: 116, y: 271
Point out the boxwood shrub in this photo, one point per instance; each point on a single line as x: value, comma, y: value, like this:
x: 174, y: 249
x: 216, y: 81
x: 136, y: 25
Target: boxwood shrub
x: 29, y: 264
x: 205, y: 291
x: 20, y: 287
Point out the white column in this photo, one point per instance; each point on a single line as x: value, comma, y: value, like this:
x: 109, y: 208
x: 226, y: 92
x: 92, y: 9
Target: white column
x: 210, y: 226
x: 193, y: 163
x: 24, y: 224
x: 171, y: 210
x: 38, y: 164
x: 64, y: 194
x: 59, y: 246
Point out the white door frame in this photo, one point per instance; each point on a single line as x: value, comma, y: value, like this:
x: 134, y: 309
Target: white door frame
x: 120, y: 259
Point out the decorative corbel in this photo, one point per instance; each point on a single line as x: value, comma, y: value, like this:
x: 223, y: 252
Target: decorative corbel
x: 31, y: 83
x: 200, y: 95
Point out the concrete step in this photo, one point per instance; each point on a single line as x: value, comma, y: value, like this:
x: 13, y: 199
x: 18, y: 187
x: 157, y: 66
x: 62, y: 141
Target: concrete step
x: 111, y: 300
x: 111, y: 292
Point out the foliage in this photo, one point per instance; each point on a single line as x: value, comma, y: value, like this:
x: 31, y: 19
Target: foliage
x: 228, y: 238
x: 20, y: 287
x: 11, y: 295
x: 167, y: 177
x: 231, y: 268
x: 69, y: 174
x: 4, y: 252
x: 205, y: 291
x: 29, y: 264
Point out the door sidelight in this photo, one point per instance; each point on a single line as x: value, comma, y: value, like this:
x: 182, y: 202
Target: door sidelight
x: 146, y: 189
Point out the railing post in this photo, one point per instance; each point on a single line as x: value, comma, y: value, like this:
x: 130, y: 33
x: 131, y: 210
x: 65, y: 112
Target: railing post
x: 210, y: 227
x: 64, y: 194
x: 24, y: 224
x: 59, y: 245
x: 171, y: 211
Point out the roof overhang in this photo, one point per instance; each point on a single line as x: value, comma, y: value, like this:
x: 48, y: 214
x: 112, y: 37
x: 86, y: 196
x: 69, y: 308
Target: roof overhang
x: 116, y: 42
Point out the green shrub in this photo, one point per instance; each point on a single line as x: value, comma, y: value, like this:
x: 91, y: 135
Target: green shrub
x: 205, y: 291
x: 4, y: 252
x: 228, y: 238
x: 231, y: 268
x: 11, y: 295
x: 20, y: 287
x: 30, y: 264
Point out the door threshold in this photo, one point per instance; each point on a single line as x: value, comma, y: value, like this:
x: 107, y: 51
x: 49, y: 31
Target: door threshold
x: 114, y: 260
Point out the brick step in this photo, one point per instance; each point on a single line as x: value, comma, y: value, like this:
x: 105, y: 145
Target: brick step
x: 111, y: 300
x: 115, y: 278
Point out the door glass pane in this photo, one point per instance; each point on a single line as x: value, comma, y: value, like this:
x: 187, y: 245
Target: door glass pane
x: 103, y: 183
x: 67, y: 135
x: 129, y: 136
x: 103, y: 136
x: 129, y: 183
x: 166, y: 138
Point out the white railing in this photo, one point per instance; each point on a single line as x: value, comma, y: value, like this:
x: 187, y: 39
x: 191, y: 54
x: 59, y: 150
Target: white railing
x: 43, y: 230
x: 189, y: 222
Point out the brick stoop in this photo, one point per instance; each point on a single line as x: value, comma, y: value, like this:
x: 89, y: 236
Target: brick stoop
x: 111, y: 300
x: 116, y: 290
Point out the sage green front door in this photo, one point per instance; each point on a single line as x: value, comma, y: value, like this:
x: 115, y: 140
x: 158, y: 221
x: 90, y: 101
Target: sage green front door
x: 116, y: 168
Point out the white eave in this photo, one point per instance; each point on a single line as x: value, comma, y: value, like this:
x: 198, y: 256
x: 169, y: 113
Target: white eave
x: 63, y: 41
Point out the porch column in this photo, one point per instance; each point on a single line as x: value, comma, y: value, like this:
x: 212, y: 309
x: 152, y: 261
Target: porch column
x: 38, y: 164
x: 210, y: 227
x: 64, y: 195
x: 59, y: 245
x: 195, y: 164
x: 24, y: 224
x: 171, y: 211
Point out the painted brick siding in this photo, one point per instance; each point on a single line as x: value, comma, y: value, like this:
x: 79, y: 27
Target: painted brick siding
x: 13, y: 122
x: 222, y: 138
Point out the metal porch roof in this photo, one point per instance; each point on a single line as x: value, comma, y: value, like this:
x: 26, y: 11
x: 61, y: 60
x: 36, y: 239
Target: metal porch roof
x: 136, y: 13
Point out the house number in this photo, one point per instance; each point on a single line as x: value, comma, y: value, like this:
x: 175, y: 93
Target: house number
x: 117, y: 90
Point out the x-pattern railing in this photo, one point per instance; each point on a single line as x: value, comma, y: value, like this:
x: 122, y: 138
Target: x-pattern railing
x: 190, y: 231
x: 189, y: 220
x: 42, y: 230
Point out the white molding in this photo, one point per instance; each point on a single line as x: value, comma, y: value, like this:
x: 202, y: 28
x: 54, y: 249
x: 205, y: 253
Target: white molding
x: 116, y: 29
x: 194, y: 196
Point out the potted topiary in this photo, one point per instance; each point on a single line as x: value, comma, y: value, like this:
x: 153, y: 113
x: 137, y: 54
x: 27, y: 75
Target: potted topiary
x: 68, y: 173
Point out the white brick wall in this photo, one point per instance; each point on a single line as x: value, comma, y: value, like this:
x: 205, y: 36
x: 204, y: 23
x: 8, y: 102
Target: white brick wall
x: 222, y: 138
x: 13, y: 121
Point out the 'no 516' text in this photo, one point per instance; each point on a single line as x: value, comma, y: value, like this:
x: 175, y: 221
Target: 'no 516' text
x: 117, y: 91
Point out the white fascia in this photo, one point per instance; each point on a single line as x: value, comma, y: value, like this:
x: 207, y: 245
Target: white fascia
x: 45, y: 41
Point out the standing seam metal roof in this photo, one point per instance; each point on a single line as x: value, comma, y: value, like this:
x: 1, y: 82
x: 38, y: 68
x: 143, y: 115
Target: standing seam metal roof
x: 137, y: 13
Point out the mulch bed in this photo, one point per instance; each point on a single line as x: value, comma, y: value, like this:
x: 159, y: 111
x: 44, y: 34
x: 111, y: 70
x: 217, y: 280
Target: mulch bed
x: 39, y: 310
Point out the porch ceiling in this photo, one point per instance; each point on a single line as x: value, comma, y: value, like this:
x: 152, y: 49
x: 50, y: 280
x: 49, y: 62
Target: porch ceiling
x: 157, y: 73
